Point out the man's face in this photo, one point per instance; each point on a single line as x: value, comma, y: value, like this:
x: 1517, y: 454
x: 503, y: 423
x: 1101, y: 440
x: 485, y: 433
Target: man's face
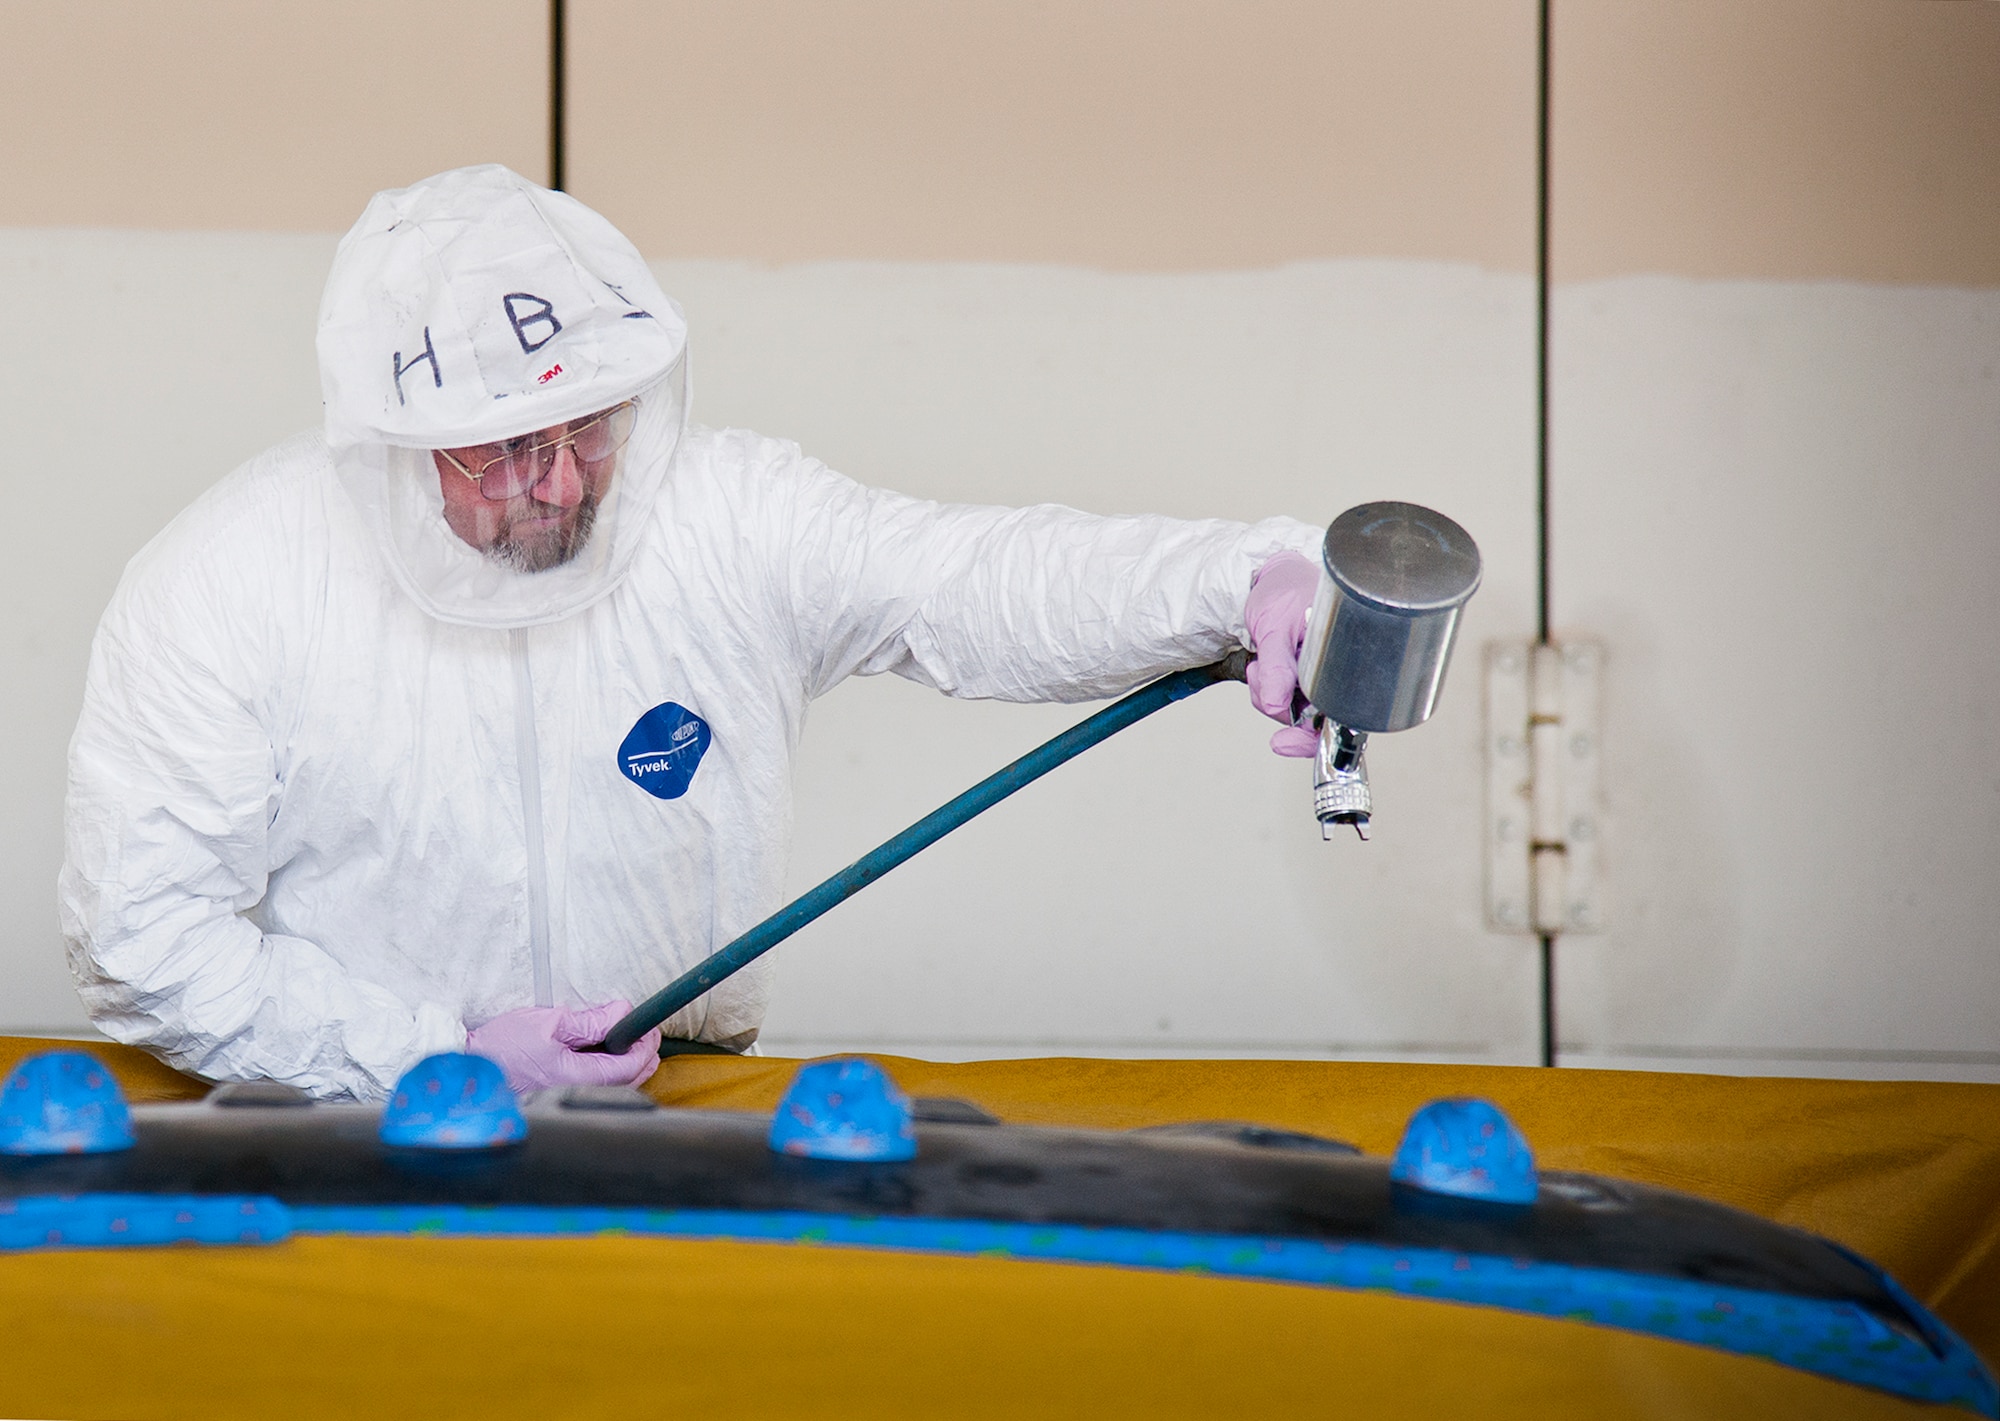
x: 544, y: 491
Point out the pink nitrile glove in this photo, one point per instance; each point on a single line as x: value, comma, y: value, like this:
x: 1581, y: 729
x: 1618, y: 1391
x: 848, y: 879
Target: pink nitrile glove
x: 535, y: 1047
x: 1281, y: 595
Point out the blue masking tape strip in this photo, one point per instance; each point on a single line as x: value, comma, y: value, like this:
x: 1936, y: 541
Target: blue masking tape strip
x: 140, y: 1220
x: 1831, y: 1339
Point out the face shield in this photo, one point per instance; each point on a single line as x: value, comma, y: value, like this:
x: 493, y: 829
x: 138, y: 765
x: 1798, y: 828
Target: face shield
x: 506, y: 388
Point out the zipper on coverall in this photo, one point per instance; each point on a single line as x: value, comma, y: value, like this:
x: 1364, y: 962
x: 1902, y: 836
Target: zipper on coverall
x: 529, y: 758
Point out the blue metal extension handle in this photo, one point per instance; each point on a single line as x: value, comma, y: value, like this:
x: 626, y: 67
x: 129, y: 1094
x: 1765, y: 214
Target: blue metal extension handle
x: 722, y: 965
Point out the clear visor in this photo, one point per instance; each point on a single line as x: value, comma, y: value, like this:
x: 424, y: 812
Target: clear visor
x: 531, y: 503
x: 525, y: 530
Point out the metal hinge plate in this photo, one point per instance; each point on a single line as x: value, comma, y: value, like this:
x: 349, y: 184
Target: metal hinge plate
x: 1543, y: 821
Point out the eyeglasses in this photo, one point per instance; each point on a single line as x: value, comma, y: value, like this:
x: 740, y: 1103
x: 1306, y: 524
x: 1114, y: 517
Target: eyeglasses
x: 511, y: 467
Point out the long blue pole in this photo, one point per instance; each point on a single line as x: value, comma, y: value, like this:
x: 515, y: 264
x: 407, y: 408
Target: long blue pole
x: 746, y: 949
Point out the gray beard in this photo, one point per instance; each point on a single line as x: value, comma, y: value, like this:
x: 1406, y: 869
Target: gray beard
x: 542, y: 555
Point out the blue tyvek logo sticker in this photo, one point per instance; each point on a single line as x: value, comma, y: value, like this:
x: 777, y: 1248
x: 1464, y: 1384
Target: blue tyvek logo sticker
x: 663, y: 750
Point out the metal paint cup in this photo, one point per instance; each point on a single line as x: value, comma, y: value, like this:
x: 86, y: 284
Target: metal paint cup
x: 1393, y: 579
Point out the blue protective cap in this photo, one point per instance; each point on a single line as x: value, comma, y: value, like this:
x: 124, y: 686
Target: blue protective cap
x: 62, y: 1103
x: 845, y: 1109
x: 1466, y: 1148
x: 453, y: 1101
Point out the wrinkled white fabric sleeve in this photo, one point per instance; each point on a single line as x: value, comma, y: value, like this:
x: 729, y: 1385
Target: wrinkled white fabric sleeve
x: 1024, y: 604
x: 174, y: 782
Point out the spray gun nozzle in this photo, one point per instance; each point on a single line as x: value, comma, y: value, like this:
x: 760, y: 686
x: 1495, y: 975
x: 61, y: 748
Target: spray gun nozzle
x: 1340, y: 780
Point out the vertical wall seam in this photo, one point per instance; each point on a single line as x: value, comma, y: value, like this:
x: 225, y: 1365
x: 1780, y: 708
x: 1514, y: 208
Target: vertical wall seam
x: 558, y: 97
x: 1542, y: 331
x: 1548, y: 943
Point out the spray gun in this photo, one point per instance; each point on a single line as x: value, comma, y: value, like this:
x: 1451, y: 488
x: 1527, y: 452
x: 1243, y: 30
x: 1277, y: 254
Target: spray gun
x: 1393, y: 577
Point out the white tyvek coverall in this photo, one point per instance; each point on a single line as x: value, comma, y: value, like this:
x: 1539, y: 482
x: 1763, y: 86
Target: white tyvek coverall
x: 300, y: 842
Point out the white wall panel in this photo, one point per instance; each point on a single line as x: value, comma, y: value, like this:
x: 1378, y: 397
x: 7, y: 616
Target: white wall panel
x: 145, y: 367
x: 1779, y: 504
x: 1775, y: 502
x: 1168, y: 891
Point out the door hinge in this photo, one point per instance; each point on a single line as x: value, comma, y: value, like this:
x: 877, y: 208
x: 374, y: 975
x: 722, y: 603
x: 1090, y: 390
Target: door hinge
x: 1543, y: 823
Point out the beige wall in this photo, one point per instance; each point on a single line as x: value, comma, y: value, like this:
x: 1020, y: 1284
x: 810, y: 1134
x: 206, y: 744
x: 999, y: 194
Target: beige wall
x: 1171, y: 135
x: 250, y: 116
x: 1788, y: 139
x: 1791, y: 139
x: 1783, y: 139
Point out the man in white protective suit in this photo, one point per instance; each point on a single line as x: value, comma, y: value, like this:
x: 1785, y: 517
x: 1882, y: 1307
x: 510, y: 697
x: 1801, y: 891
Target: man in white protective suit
x: 468, y: 719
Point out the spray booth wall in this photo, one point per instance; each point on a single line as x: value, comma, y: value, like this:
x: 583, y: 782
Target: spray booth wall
x: 1203, y: 259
